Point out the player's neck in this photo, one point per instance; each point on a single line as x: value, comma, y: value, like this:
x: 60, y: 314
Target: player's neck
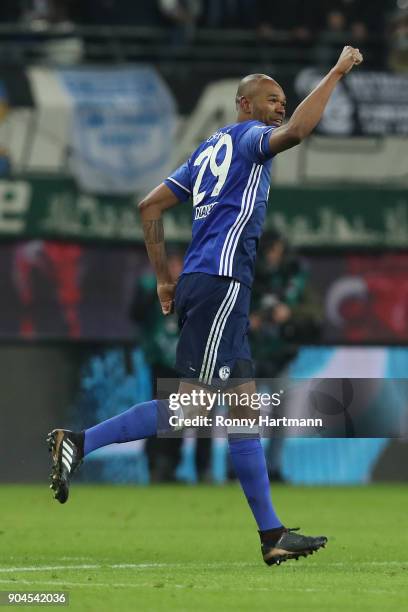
x: 241, y: 117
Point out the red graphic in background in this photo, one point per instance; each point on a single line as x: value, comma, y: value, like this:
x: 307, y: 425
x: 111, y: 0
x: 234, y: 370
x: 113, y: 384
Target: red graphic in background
x: 63, y: 290
x: 58, y: 262
x: 370, y: 301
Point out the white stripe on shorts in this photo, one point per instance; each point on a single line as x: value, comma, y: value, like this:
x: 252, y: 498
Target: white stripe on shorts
x: 215, y: 335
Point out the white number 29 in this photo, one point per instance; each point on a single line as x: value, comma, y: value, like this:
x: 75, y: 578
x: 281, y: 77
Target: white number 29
x: 220, y: 171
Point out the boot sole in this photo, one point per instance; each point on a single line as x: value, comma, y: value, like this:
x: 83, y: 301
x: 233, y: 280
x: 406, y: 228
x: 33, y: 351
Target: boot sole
x: 276, y: 556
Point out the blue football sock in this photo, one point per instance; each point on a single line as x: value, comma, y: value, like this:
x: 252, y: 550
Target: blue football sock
x: 248, y: 459
x: 140, y: 421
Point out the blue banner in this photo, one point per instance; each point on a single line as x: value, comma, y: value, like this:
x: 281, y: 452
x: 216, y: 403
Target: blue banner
x: 123, y: 121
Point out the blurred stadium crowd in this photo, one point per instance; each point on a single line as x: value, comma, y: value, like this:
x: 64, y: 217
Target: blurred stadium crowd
x: 300, y: 19
x: 379, y: 28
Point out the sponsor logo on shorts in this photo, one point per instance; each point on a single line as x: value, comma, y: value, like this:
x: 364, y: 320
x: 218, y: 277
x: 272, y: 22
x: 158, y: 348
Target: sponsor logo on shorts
x: 224, y: 372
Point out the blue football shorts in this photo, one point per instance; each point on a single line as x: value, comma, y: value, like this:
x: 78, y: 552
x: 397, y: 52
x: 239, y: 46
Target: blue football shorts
x: 213, y: 321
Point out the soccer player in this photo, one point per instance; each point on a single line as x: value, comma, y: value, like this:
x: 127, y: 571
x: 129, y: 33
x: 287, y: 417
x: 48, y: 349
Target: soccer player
x: 228, y: 178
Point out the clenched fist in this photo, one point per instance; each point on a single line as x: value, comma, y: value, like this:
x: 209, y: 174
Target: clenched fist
x: 166, y: 292
x: 349, y: 58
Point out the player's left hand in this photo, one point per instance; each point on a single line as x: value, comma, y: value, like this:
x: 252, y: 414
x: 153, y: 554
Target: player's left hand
x: 166, y: 292
x: 349, y: 58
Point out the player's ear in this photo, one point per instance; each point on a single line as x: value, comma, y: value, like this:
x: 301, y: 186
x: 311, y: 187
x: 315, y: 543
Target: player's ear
x: 245, y: 104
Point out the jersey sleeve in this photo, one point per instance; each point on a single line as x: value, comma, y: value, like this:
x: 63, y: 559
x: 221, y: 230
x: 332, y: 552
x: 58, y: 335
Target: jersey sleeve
x: 254, y: 143
x: 180, y: 182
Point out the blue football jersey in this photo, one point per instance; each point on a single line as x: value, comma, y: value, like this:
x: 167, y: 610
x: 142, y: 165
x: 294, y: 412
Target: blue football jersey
x: 228, y: 178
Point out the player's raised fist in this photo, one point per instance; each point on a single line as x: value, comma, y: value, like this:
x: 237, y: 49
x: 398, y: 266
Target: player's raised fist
x: 166, y: 292
x: 349, y: 58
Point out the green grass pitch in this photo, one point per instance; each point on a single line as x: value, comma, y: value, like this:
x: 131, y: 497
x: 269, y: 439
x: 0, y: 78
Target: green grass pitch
x: 185, y: 548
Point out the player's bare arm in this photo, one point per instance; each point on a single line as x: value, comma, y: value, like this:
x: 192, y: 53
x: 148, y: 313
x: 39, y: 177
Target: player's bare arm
x: 308, y: 114
x: 151, y: 211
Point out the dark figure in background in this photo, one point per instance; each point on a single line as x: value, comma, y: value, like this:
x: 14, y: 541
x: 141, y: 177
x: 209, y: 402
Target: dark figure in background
x: 158, y: 338
x: 361, y: 22
x: 181, y: 18
x: 47, y: 11
x: 291, y: 16
x: 284, y: 314
x: 362, y: 18
x: 230, y: 14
